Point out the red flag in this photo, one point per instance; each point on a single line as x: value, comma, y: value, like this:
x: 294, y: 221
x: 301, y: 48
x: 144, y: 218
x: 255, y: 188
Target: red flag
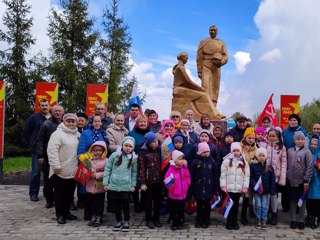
x: 82, y: 174
x: 269, y: 111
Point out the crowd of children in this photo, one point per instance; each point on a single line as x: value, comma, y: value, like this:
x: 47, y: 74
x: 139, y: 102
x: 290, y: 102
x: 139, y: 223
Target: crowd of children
x: 256, y: 169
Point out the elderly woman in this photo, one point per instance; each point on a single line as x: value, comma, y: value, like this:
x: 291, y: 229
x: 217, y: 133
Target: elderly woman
x: 62, y: 156
x: 204, y: 124
x: 116, y: 132
x: 167, y: 130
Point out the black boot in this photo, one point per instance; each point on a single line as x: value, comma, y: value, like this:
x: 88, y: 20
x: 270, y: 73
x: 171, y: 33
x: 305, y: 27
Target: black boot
x: 312, y: 222
x: 251, y: 211
x: 307, y: 221
x: 274, y: 219
x: 245, y: 204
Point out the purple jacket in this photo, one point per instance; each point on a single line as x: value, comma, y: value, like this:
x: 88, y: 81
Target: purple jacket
x: 182, y: 179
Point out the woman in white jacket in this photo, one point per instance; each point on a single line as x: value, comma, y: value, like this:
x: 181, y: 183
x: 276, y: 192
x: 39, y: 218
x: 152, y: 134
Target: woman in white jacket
x: 62, y: 155
x: 234, y: 180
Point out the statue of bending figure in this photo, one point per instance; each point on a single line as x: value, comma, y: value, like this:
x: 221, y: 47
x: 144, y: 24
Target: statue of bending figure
x: 188, y: 95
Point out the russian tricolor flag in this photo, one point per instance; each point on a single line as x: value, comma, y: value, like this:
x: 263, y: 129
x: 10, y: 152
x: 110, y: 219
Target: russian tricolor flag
x: 302, y: 198
x: 215, y: 200
x: 226, y: 206
x: 170, y: 182
x: 258, y: 187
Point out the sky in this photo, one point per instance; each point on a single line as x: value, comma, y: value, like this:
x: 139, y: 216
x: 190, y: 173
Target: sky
x: 273, y: 47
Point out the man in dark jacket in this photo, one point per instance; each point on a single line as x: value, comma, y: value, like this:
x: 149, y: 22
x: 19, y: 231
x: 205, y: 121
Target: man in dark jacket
x: 45, y: 132
x: 239, y: 129
x: 130, y: 121
x: 101, y: 110
x: 30, y: 132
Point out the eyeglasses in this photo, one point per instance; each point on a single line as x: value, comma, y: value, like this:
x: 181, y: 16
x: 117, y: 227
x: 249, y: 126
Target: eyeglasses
x: 175, y: 116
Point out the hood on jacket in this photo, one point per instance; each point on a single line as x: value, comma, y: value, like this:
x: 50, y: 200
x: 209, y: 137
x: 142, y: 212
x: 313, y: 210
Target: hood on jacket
x: 101, y: 144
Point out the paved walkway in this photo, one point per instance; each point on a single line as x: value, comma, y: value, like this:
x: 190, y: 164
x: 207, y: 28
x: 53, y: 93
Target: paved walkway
x: 22, y: 219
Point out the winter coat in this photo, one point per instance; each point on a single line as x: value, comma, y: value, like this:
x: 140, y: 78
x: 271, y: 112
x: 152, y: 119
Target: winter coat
x: 31, y: 130
x: 115, y: 136
x: 233, y: 177
x: 217, y: 141
x: 249, y: 152
x: 300, y: 166
x: 257, y: 169
x: 213, y: 152
x: 198, y: 128
x: 204, y: 178
x: 288, y: 134
x: 186, y: 151
x: 237, y: 133
x: 138, y: 136
x: 278, y: 159
x: 149, y: 165
x: 46, y: 129
x: 86, y: 140
x: 224, y: 150
x: 120, y: 178
x: 106, y: 121
x: 62, y: 151
x: 190, y: 138
x: 314, y: 185
x: 182, y: 180
x: 156, y: 127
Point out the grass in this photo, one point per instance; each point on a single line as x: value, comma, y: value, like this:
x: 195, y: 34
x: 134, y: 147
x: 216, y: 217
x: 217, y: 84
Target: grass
x: 16, y: 164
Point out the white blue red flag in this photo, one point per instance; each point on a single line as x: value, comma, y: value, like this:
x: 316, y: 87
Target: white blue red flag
x: 258, y: 187
x: 226, y: 206
x: 215, y: 200
x: 170, y: 182
x: 167, y: 148
x: 134, y: 99
x: 302, y: 198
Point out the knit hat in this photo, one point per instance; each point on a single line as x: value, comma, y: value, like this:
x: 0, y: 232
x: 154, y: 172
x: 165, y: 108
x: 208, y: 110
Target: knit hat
x: 298, y: 135
x: 188, y: 112
x: 177, y: 138
x: 69, y: 116
x: 185, y: 120
x: 260, y: 130
x: 235, y: 145
x: 81, y: 114
x: 205, y: 131
x: 129, y: 140
x: 314, y: 137
x: 228, y: 134
x: 261, y: 150
x: 296, y: 117
x: 203, y: 147
x: 249, y: 131
x: 176, y: 154
x: 149, y: 138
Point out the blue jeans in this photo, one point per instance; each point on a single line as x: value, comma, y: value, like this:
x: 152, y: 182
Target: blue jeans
x: 261, y: 205
x: 34, y: 183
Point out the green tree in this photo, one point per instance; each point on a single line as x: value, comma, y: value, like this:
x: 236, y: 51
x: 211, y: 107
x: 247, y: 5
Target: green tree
x: 16, y: 69
x: 73, y: 56
x: 115, y: 53
x: 310, y: 112
x: 235, y: 115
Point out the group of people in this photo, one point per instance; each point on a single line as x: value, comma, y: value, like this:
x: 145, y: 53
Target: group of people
x: 124, y: 158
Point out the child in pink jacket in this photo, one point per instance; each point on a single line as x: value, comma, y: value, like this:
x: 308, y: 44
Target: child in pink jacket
x: 178, y: 187
x: 94, y: 185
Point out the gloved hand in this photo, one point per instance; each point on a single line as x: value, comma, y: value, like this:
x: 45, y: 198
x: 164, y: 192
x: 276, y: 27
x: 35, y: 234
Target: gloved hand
x: 224, y: 189
x: 244, y: 190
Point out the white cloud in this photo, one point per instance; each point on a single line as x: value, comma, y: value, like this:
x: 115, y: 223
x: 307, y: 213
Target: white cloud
x: 271, y: 55
x: 241, y: 61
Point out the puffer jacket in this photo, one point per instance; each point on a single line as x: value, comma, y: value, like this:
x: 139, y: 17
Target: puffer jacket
x: 233, y: 177
x: 149, y: 165
x: 62, y: 151
x: 182, y: 179
x: 120, y: 178
x: 98, y: 165
x: 300, y: 166
x: 278, y: 159
x: 257, y: 170
x: 204, y: 178
x: 288, y: 134
x: 249, y: 152
x: 115, y: 135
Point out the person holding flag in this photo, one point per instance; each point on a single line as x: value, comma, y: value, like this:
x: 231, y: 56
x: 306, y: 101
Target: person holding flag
x: 262, y: 182
x: 234, y: 180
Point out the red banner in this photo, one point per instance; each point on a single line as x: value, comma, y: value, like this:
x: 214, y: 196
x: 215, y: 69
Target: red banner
x: 269, y: 111
x: 45, y: 90
x: 2, y: 111
x: 95, y: 93
x: 289, y: 104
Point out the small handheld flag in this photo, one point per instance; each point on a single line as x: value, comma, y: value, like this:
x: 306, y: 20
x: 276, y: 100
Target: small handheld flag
x: 215, y: 200
x: 302, y: 198
x: 167, y: 148
x: 258, y: 187
x: 226, y: 206
x: 170, y: 182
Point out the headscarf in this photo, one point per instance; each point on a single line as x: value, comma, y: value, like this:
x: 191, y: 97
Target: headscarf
x: 163, y: 130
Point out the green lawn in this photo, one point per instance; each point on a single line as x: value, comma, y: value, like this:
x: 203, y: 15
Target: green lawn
x: 16, y: 164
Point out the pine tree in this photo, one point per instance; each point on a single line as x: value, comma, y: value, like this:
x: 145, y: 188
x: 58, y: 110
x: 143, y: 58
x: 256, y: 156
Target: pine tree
x: 72, y: 61
x: 15, y: 69
x: 115, y: 53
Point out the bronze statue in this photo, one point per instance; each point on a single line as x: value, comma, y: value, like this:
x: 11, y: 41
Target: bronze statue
x: 188, y: 95
x: 211, y: 55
